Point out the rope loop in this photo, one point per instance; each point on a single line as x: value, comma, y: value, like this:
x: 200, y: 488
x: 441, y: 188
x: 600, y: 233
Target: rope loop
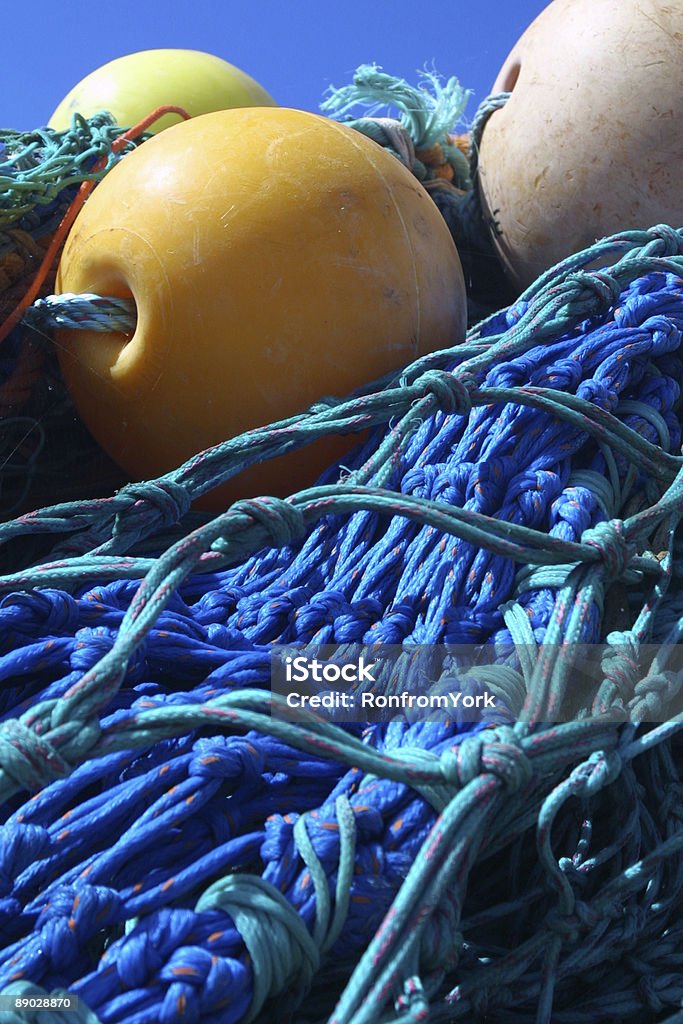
x: 619, y: 664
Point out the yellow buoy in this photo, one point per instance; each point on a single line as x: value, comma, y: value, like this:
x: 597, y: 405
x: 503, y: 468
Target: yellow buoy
x: 274, y: 257
x: 131, y: 87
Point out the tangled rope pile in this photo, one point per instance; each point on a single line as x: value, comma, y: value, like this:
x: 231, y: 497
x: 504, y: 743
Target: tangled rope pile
x: 174, y: 849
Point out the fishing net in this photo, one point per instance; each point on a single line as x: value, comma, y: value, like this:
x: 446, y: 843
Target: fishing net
x: 179, y: 845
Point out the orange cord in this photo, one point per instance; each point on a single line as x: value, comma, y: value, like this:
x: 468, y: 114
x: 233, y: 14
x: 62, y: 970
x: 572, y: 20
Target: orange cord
x: 70, y: 215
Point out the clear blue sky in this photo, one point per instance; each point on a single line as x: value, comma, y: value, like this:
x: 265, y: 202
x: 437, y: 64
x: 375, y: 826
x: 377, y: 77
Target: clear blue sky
x: 294, y: 48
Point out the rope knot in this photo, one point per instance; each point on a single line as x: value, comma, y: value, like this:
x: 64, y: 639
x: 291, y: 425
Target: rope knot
x: 565, y: 927
x: 645, y: 987
x: 453, y: 393
x: 282, y: 952
x: 605, y: 288
x: 610, y: 540
x: 167, y: 500
x: 496, y: 752
x: 20, y: 846
x: 652, y: 695
x: 597, y: 771
x: 28, y: 759
x: 284, y: 522
x: 671, y: 238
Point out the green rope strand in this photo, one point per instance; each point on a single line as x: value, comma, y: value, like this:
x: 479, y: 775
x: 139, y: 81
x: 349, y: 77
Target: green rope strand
x: 36, y: 167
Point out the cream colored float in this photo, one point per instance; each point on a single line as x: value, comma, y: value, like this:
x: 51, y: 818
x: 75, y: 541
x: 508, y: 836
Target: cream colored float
x: 591, y: 140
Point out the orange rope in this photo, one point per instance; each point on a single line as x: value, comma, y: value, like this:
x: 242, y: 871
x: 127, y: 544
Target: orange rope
x: 70, y: 215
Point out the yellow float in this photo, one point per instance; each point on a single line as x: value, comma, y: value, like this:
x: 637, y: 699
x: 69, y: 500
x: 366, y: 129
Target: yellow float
x: 132, y: 86
x: 274, y: 257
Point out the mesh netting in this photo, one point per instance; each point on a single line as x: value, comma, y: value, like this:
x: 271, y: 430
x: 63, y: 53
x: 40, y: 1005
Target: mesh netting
x: 175, y: 847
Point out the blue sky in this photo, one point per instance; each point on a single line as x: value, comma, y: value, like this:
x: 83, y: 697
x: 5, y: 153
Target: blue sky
x: 295, y: 48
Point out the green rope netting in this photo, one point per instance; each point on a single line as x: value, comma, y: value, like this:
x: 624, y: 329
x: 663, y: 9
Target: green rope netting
x: 37, y: 167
